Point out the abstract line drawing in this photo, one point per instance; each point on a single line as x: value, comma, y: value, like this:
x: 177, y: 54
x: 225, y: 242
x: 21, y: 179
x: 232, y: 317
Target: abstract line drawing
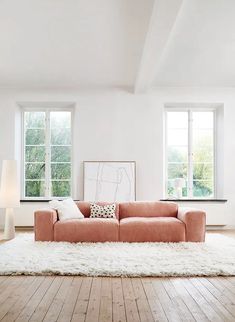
x: 109, y: 181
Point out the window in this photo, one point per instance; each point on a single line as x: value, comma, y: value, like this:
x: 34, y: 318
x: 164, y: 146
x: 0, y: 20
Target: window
x: 190, y: 146
x: 47, y: 153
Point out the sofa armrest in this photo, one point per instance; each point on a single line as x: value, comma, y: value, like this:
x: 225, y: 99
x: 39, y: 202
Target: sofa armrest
x: 44, y: 221
x: 195, y: 222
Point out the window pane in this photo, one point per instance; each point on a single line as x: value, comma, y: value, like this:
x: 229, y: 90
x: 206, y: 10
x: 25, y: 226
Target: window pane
x: 203, y: 154
x: 203, y: 120
x: 202, y: 138
x: 202, y: 171
x: 177, y: 120
x: 35, y: 119
x: 60, y: 154
x: 60, y: 128
x: 177, y: 149
x: 35, y: 188
x: 177, y: 154
x: 60, y: 119
x: 60, y: 136
x: 170, y: 188
x: 60, y: 188
x: 171, y: 191
x: 39, y: 176
x: 34, y: 137
x: 177, y: 137
x: 177, y: 170
x: 35, y: 170
x: 61, y: 171
x: 35, y: 153
x: 202, y: 189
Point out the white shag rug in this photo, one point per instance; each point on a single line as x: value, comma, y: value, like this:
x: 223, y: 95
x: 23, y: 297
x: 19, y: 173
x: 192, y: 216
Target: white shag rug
x: 24, y: 256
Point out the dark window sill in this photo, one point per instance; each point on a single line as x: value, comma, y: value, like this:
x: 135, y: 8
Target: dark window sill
x: 39, y: 200
x: 176, y: 200
x: 195, y: 200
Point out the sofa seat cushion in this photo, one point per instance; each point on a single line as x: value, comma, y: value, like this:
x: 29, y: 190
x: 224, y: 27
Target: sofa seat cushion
x: 158, y: 229
x: 87, y: 230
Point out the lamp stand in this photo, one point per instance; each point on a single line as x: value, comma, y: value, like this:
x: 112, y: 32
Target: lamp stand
x: 9, y: 230
x: 179, y: 192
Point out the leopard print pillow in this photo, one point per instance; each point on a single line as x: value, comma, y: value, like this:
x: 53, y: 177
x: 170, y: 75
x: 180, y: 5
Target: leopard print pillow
x: 107, y: 211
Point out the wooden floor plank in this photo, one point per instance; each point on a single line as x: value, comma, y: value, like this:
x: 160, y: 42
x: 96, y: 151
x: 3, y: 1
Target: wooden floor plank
x: 3, y: 279
x: 45, y: 303
x: 29, y: 308
x: 205, y: 306
x: 222, y: 288
x: 132, y: 313
x: 141, y: 301
x: 6, y: 306
x: 212, y: 300
x: 118, y: 307
x: 227, y: 285
x: 79, y: 313
x: 15, y: 310
x: 185, y: 313
x: 94, y: 301
x: 117, y: 299
x: 58, y: 301
x: 154, y: 303
x: 189, y: 301
x: 171, y: 310
x: 220, y: 295
x: 8, y: 286
x: 230, y: 279
x: 105, y: 314
x: 70, y: 301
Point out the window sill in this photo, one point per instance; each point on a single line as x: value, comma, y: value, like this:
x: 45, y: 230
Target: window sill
x: 195, y: 200
x: 176, y: 200
x: 39, y: 200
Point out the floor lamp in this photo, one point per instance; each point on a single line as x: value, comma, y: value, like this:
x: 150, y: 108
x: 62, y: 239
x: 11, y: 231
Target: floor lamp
x: 9, y: 195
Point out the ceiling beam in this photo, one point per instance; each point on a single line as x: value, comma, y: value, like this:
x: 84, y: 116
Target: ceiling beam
x: 162, y: 21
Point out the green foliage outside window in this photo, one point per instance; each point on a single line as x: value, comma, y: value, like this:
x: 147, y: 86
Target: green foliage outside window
x: 47, y: 174
x: 202, y: 169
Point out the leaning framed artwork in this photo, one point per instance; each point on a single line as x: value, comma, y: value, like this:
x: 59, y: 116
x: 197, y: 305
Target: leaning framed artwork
x: 109, y: 181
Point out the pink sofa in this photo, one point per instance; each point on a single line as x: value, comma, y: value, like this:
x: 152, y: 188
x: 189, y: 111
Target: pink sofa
x: 135, y: 222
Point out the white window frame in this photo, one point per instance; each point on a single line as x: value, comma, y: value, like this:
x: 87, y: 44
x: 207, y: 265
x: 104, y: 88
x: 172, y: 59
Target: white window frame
x: 47, y: 110
x: 190, y: 110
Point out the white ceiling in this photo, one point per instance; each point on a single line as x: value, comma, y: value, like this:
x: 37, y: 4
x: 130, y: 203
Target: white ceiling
x: 201, y: 47
x: 72, y: 43
x: 69, y: 43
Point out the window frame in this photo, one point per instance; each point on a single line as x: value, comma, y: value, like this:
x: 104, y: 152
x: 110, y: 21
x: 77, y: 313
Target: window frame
x: 190, y: 110
x: 47, y: 110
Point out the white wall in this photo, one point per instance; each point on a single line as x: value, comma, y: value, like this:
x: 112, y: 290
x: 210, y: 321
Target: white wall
x: 115, y: 124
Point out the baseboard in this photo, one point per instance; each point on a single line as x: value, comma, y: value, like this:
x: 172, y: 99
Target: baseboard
x: 220, y: 227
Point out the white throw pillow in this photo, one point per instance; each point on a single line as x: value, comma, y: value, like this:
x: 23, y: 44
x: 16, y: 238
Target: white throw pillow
x: 67, y: 209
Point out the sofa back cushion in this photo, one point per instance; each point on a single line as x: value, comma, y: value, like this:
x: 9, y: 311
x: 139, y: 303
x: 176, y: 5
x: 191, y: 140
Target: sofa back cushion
x: 148, y: 209
x: 85, y: 209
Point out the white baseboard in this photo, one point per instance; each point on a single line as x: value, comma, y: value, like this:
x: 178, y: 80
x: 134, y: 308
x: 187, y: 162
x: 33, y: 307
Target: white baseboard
x: 220, y: 227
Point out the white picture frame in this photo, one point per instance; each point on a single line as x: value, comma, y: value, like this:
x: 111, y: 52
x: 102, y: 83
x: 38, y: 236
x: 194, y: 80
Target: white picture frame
x: 111, y: 181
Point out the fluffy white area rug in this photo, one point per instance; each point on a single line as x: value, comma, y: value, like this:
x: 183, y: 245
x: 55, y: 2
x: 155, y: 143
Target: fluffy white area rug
x: 23, y: 256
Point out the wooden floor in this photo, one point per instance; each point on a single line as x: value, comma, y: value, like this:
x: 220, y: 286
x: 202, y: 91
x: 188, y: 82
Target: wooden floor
x: 64, y: 298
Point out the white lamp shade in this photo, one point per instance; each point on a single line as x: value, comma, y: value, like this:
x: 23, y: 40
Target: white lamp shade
x: 9, y: 189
